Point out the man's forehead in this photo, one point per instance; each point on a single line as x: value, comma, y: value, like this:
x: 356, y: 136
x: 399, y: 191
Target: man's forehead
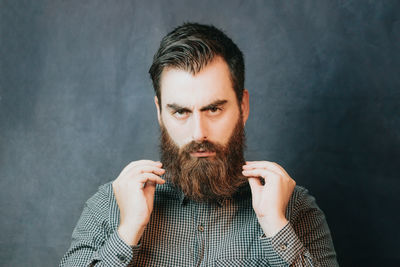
x: 194, y: 96
x: 211, y: 84
x: 190, y: 99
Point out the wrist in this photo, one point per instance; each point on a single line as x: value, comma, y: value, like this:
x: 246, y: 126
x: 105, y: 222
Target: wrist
x: 130, y: 234
x: 271, y: 226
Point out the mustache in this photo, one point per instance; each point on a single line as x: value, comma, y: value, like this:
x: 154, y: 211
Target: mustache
x: 204, y: 146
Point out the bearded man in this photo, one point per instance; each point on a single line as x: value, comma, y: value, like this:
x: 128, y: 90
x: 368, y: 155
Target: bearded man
x: 202, y: 204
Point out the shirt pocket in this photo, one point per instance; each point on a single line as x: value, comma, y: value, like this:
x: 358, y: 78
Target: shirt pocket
x: 246, y: 262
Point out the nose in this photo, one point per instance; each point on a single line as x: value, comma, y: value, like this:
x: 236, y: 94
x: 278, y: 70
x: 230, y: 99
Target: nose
x: 199, y: 133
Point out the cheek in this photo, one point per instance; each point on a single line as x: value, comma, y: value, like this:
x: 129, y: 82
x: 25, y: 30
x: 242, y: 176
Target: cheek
x: 226, y: 127
x: 178, y: 132
x: 226, y: 133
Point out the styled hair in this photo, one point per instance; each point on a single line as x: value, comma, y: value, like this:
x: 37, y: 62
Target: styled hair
x: 191, y: 47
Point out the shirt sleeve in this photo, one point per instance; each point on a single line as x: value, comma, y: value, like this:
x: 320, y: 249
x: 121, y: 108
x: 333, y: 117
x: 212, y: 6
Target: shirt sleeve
x: 305, y: 240
x: 94, y: 244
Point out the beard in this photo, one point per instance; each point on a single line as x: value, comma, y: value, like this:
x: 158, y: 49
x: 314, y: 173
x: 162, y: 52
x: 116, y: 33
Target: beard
x: 205, y: 178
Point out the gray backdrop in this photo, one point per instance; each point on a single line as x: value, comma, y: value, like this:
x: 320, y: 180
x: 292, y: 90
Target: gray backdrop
x: 76, y: 107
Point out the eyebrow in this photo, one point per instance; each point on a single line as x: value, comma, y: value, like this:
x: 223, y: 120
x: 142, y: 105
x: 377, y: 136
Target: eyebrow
x: 214, y: 104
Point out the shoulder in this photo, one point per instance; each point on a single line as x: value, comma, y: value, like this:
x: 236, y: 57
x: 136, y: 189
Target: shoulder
x: 300, y: 192
x: 301, y: 201
x: 103, y: 195
x: 102, y: 205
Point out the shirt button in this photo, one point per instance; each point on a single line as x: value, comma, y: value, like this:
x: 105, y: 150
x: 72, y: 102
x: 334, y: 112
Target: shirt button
x: 200, y: 228
x: 283, y: 247
x: 121, y: 257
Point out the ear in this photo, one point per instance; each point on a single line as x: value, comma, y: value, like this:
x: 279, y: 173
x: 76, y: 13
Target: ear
x: 245, y: 105
x: 158, y: 109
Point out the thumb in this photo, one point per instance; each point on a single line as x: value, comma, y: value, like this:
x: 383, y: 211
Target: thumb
x: 149, y: 188
x: 255, y: 184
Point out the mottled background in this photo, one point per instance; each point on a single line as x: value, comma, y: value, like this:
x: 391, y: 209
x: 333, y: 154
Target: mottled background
x: 76, y: 107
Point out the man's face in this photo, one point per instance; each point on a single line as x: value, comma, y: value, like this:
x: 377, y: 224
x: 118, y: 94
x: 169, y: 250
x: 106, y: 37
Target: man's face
x: 202, y: 135
x: 200, y: 107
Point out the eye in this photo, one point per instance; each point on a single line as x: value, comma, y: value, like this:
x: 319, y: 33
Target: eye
x: 180, y: 114
x: 214, y: 110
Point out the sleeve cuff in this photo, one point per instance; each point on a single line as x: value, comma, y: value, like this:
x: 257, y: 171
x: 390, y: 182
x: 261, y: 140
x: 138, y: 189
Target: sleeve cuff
x: 115, y: 252
x: 284, y: 247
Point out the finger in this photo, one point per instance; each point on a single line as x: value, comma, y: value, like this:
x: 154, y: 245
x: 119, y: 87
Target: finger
x: 149, y: 189
x: 145, y: 177
x: 149, y: 186
x: 254, y: 182
x: 257, y: 163
x: 145, y: 162
x: 265, y: 165
x: 261, y: 172
x: 260, y: 163
x: 255, y: 185
x: 138, y: 163
x: 251, y: 161
x: 150, y: 169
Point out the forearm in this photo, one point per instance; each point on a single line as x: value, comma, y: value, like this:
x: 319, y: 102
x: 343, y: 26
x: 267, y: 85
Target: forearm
x: 114, y: 252
x: 94, y: 243
x: 306, y: 239
x: 286, y: 249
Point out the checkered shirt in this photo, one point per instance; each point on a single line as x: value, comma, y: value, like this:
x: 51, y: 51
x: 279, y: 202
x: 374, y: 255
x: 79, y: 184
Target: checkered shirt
x: 182, y: 232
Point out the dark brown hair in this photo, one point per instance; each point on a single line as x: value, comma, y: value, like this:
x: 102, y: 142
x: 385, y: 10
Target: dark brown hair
x: 191, y: 47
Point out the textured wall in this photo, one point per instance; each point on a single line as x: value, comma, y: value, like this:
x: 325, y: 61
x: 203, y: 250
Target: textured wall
x: 76, y: 106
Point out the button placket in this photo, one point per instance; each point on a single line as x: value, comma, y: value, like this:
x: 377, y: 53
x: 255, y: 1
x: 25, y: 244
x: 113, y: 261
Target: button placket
x: 202, y: 219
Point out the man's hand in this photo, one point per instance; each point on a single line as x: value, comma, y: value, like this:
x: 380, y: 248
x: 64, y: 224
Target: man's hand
x: 134, y: 191
x: 271, y: 199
